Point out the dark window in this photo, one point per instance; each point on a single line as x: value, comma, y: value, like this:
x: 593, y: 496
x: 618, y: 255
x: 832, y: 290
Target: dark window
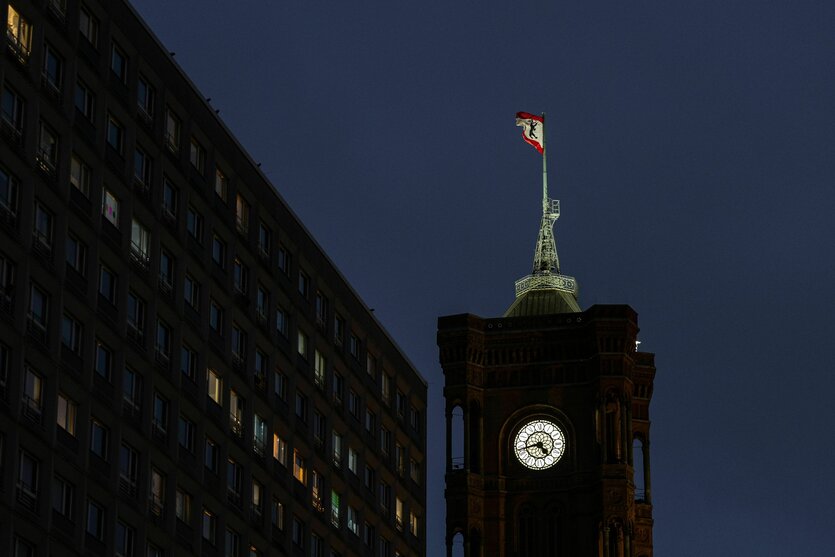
x: 119, y: 63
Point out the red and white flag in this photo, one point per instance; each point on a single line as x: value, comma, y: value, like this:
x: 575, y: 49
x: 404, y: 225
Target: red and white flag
x: 533, y: 129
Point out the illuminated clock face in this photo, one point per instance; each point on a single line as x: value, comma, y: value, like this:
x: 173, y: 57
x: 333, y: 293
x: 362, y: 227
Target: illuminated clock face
x: 539, y: 444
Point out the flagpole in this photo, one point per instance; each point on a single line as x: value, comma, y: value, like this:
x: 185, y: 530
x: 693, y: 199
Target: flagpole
x: 544, y: 171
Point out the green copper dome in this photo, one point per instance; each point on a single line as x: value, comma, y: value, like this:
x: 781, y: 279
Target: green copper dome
x: 545, y: 301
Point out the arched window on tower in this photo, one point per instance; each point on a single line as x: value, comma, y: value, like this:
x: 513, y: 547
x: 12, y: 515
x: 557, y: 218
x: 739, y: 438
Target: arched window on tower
x: 474, y: 439
x: 638, y: 469
x: 456, y: 457
x: 475, y: 543
x: 458, y: 545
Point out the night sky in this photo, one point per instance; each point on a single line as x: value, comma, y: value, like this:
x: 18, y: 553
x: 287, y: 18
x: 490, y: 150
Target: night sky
x: 692, y: 145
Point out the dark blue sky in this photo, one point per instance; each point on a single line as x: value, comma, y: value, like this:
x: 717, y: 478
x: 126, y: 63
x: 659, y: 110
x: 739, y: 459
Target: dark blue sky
x: 692, y: 145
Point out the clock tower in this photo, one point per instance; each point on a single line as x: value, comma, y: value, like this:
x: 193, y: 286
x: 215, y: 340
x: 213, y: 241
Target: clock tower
x: 547, y: 413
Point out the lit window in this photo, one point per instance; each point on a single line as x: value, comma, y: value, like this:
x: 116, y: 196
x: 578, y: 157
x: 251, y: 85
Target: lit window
x: 277, y: 514
x: 353, y: 460
x: 33, y: 392
x: 398, y: 513
x: 183, y: 505
x: 19, y: 33
x: 157, y: 492
x: 414, y: 523
x: 353, y: 520
x: 302, y: 345
x: 140, y: 241
x: 299, y: 470
x: 110, y: 207
x: 67, y: 411
x: 279, y: 449
x: 335, y: 503
x: 241, y: 214
x: 214, y: 386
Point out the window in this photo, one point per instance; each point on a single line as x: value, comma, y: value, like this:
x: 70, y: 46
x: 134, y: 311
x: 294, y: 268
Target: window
x: 142, y: 168
x: 370, y: 478
x: 219, y: 251
x: 401, y: 404
x: 19, y: 34
x: 169, y: 200
x: 257, y: 497
x: 216, y: 317
x: 159, y: 423
x: 240, y: 276
x: 107, y: 284
x: 98, y: 438
x: 80, y: 175
x: 354, y: 346
x: 23, y: 547
x: 304, y: 284
x: 71, y: 333
x: 354, y: 404
x: 414, y: 470
x: 221, y: 184
x: 277, y: 514
x: 115, y: 133
x: 76, y: 254
x: 279, y: 449
x: 260, y: 369
x: 338, y: 330
x: 400, y: 458
x: 183, y: 505
x: 157, y: 492
x: 262, y: 303
x: 353, y: 460
x: 336, y: 445
x: 284, y: 260
x: 85, y: 100
x: 335, y: 520
x: 163, y: 341
x: 214, y: 386
x: 317, y: 546
x: 353, y: 520
x: 172, y: 132
x: 280, y: 385
x: 398, y: 513
x: 241, y: 214
x: 385, y: 388
x: 236, y: 412
x: 299, y: 470
x: 166, y: 269
x: 88, y: 25
x: 110, y: 207
x: 185, y: 433
x: 125, y: 536
x: 140, y: 242
x: 27, y: 476
x: 209, y: 526
x: 210, y: 456
x: 238, y: 344
x: 154, y: 551
x: 33, y: 392
x: 8, y: 193
x: 145, y: 96
x: 38, y: 307
x: 197, y: 155
x: 385, y: 496
x: 43, y: 226
x: 191, y: 292
x: 414, y: 523
x: 62, y: 496
x: 132, y: 389
x: 264, y: 237
x: 259, y: 435
x: 385, y: 441
x: 369, y: 533
x: 233, y: 543
x: 119, y: 63
x: 13, y: 105
x: 298, y: 533
x: 319, y: 428
x: 301, y: 407
x: 282, y: 322
x: 129, y: 465
x: 302, y: 344
x: 234, y: 480
x: 337, y: 388
x: 52, y: 68
x: 194, y: 224
x: 321, y: 310
x: 319, y: 369
x: 95, y: 519
x: 188, y: 362
x: 370, y: 421
x: 135, y: 316
x: 414, y: 418
x: 66, y: 414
